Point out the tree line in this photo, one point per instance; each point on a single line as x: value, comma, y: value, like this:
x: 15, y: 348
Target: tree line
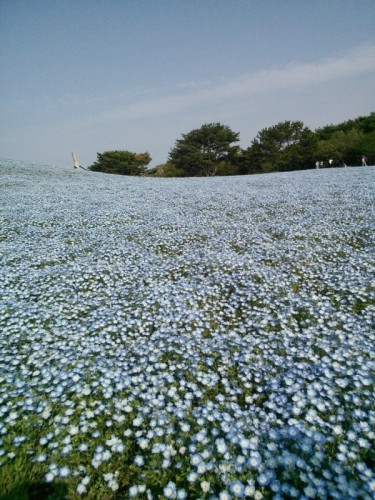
x: 212, y: 150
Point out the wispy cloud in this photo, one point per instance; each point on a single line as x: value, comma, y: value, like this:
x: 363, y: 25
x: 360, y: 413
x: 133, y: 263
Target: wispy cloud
x: 293, y: 77
x: 356, y: 62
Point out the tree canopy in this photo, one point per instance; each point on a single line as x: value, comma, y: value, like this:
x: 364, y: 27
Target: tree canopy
x: 206, y: 151
x: 285, y: 146
x: 121, y: 162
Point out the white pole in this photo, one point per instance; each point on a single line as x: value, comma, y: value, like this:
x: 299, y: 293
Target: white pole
x: 75, y: 161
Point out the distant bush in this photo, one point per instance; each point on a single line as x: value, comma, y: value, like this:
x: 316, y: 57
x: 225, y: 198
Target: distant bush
x: 121, y: 162
x: 166, y: 170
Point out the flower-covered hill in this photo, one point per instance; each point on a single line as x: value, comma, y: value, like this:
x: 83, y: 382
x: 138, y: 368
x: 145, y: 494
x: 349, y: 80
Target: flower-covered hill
x: 187, y: 338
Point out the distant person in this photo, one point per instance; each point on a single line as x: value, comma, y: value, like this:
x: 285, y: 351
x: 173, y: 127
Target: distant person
x: 321, y: 164
x: 330, y: 161
x: 316, y: 164
x: 364, y: 161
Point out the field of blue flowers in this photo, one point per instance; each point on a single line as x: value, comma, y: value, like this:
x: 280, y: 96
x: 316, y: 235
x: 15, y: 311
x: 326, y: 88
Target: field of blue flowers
x: 194, y: 338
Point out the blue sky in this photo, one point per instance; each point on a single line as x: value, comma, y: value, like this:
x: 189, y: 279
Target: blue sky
x: 95, y: 75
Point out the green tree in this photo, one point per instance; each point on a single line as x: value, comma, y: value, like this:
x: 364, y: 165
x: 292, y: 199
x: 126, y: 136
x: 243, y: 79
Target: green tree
x: 348, y: 141
x: 342, y: 147
x: 366, y: 146
x: 121, y: 162
x: 285, y: 146
x: 365, y: 124
x: 206, y: 151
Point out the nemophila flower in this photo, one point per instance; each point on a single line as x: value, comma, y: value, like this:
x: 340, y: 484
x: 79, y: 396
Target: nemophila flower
x: 224, y: 495
x: 201, y: 468
x: 118, y: 448
x: 221, y: 446
x: 65, y: 472
x: 41, y: 457
x: 81, y: 488
x: 67, y: 440
x: 237, y: 489
x: 113, y: 485
x: 133, y: 491
x: 170, y: 490
x: 96, y: 461
x: 245, y: 443
x: 338, y: 430
x: 73, y: 430
x: 254, y: 461
x: 310, y: 492
x: 181, y: 494
x: 83, y: 447
x: 185, y: 427
x: 49, y: 477
x: 192, y: 448
x: 196, y: 459
x: 19, y: 440
x: 361, y: 467
x: 143, y: 443
x: 205, y: 486
x: 275, y: 486
x: 192, y: 477
x: 139, y: 460
x: 66, y: 450
x: 106, y: 455
x: 265, y: 477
